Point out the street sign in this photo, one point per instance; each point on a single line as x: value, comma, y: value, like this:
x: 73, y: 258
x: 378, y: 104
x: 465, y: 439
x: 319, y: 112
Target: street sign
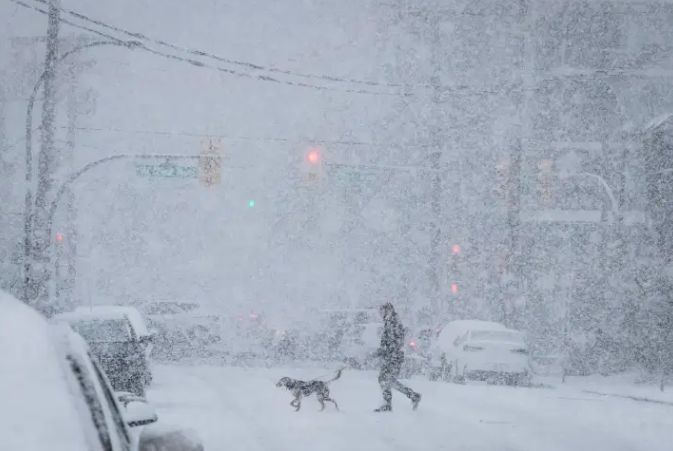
x: 167, y: 170
x: 354, y: 174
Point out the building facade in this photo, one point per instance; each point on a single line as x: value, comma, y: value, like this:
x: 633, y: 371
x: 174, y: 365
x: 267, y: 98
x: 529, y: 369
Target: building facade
x: 542, y: 110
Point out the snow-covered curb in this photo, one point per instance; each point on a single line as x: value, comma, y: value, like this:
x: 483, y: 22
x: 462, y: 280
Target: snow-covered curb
x: 624, y: 385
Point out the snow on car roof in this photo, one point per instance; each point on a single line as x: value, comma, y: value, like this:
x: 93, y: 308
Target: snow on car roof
x: 132, y: 313
x: 454, y: 328
x: 89, y: 315
x: 107, y: 312
x: 468, y: 324
x: 37, y: 402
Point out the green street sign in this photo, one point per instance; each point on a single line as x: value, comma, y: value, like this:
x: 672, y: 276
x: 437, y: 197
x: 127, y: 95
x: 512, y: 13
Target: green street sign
x: 353, y: 174
x: 167, y: 170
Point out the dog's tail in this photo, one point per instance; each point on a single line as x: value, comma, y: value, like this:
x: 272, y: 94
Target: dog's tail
x: 337, y: 376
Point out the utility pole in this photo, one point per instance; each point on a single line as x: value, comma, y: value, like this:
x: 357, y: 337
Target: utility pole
x: 46, y: 166
x: 435, y: 158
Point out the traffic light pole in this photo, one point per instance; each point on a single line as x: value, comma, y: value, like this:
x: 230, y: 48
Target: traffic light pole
x: 46, y: 159
x: 65, y: 186
x: 46, y: 79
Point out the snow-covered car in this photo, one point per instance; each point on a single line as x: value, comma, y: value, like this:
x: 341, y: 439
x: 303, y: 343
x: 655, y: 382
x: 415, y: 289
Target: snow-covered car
x: 112, y: 338
x: 204, y: 333
x: 139, y: 325
x: 480, y: 350
x: 56, y: 397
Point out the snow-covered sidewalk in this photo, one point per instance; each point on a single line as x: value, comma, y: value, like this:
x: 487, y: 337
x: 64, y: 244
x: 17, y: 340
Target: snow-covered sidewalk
x: 627, y: 386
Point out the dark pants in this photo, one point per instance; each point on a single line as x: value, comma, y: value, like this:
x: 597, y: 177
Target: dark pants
x: 388, y: 380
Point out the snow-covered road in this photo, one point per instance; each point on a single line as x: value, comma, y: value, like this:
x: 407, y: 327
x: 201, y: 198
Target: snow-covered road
x: 241, y: 409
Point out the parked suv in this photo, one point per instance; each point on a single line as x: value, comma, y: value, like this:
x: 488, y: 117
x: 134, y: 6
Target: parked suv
x: 115, y: 343
x: 56, y: 397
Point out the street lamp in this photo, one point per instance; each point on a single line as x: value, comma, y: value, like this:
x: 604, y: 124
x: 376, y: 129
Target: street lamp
x: 28, y: 208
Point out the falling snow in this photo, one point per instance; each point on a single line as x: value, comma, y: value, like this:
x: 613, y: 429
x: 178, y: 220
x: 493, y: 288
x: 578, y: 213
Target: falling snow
x: 252, y: 180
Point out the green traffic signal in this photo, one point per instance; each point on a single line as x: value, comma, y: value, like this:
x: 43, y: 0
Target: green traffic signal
x: 251, y: 203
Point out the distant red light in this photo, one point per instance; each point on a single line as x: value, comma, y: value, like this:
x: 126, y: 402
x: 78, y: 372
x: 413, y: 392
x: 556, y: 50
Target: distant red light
x: 412, y: 344
x: 456, y: 249
x: 454, y: 288
x: 59, y: 237
x: 313, y: 156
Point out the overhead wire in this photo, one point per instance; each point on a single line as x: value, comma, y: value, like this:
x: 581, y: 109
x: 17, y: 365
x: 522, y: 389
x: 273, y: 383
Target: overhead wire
x: 197, y: 63
x: 141, y: 37
x: 235, y: 137
x: 446, y: 90
x: 247, y: 64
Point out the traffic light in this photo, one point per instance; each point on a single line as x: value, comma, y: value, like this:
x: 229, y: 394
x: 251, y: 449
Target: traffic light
x: 312, y: 166
x: 59, y: 237
x: 454, y: 288
x: 252, y: 203
x: 455, y: 268
x: 313, y: 157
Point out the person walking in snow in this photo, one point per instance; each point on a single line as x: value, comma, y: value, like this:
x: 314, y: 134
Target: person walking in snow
x: 391, y: 351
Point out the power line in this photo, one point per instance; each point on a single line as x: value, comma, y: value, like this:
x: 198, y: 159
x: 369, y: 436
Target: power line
x: 197, y: 63
x: 280, y: 139
x: 223, y: 136
x: 201, y: 53
x: 462, y: 90
x: 246, y: 64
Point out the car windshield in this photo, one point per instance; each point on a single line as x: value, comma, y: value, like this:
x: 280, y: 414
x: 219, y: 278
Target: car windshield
x: 496, y: 335
x: 103, y: 330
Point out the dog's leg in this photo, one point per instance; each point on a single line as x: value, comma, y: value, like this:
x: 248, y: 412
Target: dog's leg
x: 333, y: 402
x: 296, y: 403
x: 322, y: 403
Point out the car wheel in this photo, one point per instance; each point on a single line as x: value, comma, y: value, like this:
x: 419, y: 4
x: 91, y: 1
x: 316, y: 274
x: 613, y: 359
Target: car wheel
x: 458, y: 378
x: 146, y: 376
x: 445, y: 369
x: 522, y: 379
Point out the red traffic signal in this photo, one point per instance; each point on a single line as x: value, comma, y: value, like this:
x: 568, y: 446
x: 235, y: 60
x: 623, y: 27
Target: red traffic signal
x: 59, y: 237
x: 313, y: 156
x: 454, y: 288
x: 456, y: 249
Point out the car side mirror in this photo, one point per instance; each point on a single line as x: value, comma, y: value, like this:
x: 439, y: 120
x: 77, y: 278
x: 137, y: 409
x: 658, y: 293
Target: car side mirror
x: 139, y: 413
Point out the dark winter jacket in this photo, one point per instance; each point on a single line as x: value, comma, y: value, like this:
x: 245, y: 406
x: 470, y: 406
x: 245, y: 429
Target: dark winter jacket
x: 392, y: 341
